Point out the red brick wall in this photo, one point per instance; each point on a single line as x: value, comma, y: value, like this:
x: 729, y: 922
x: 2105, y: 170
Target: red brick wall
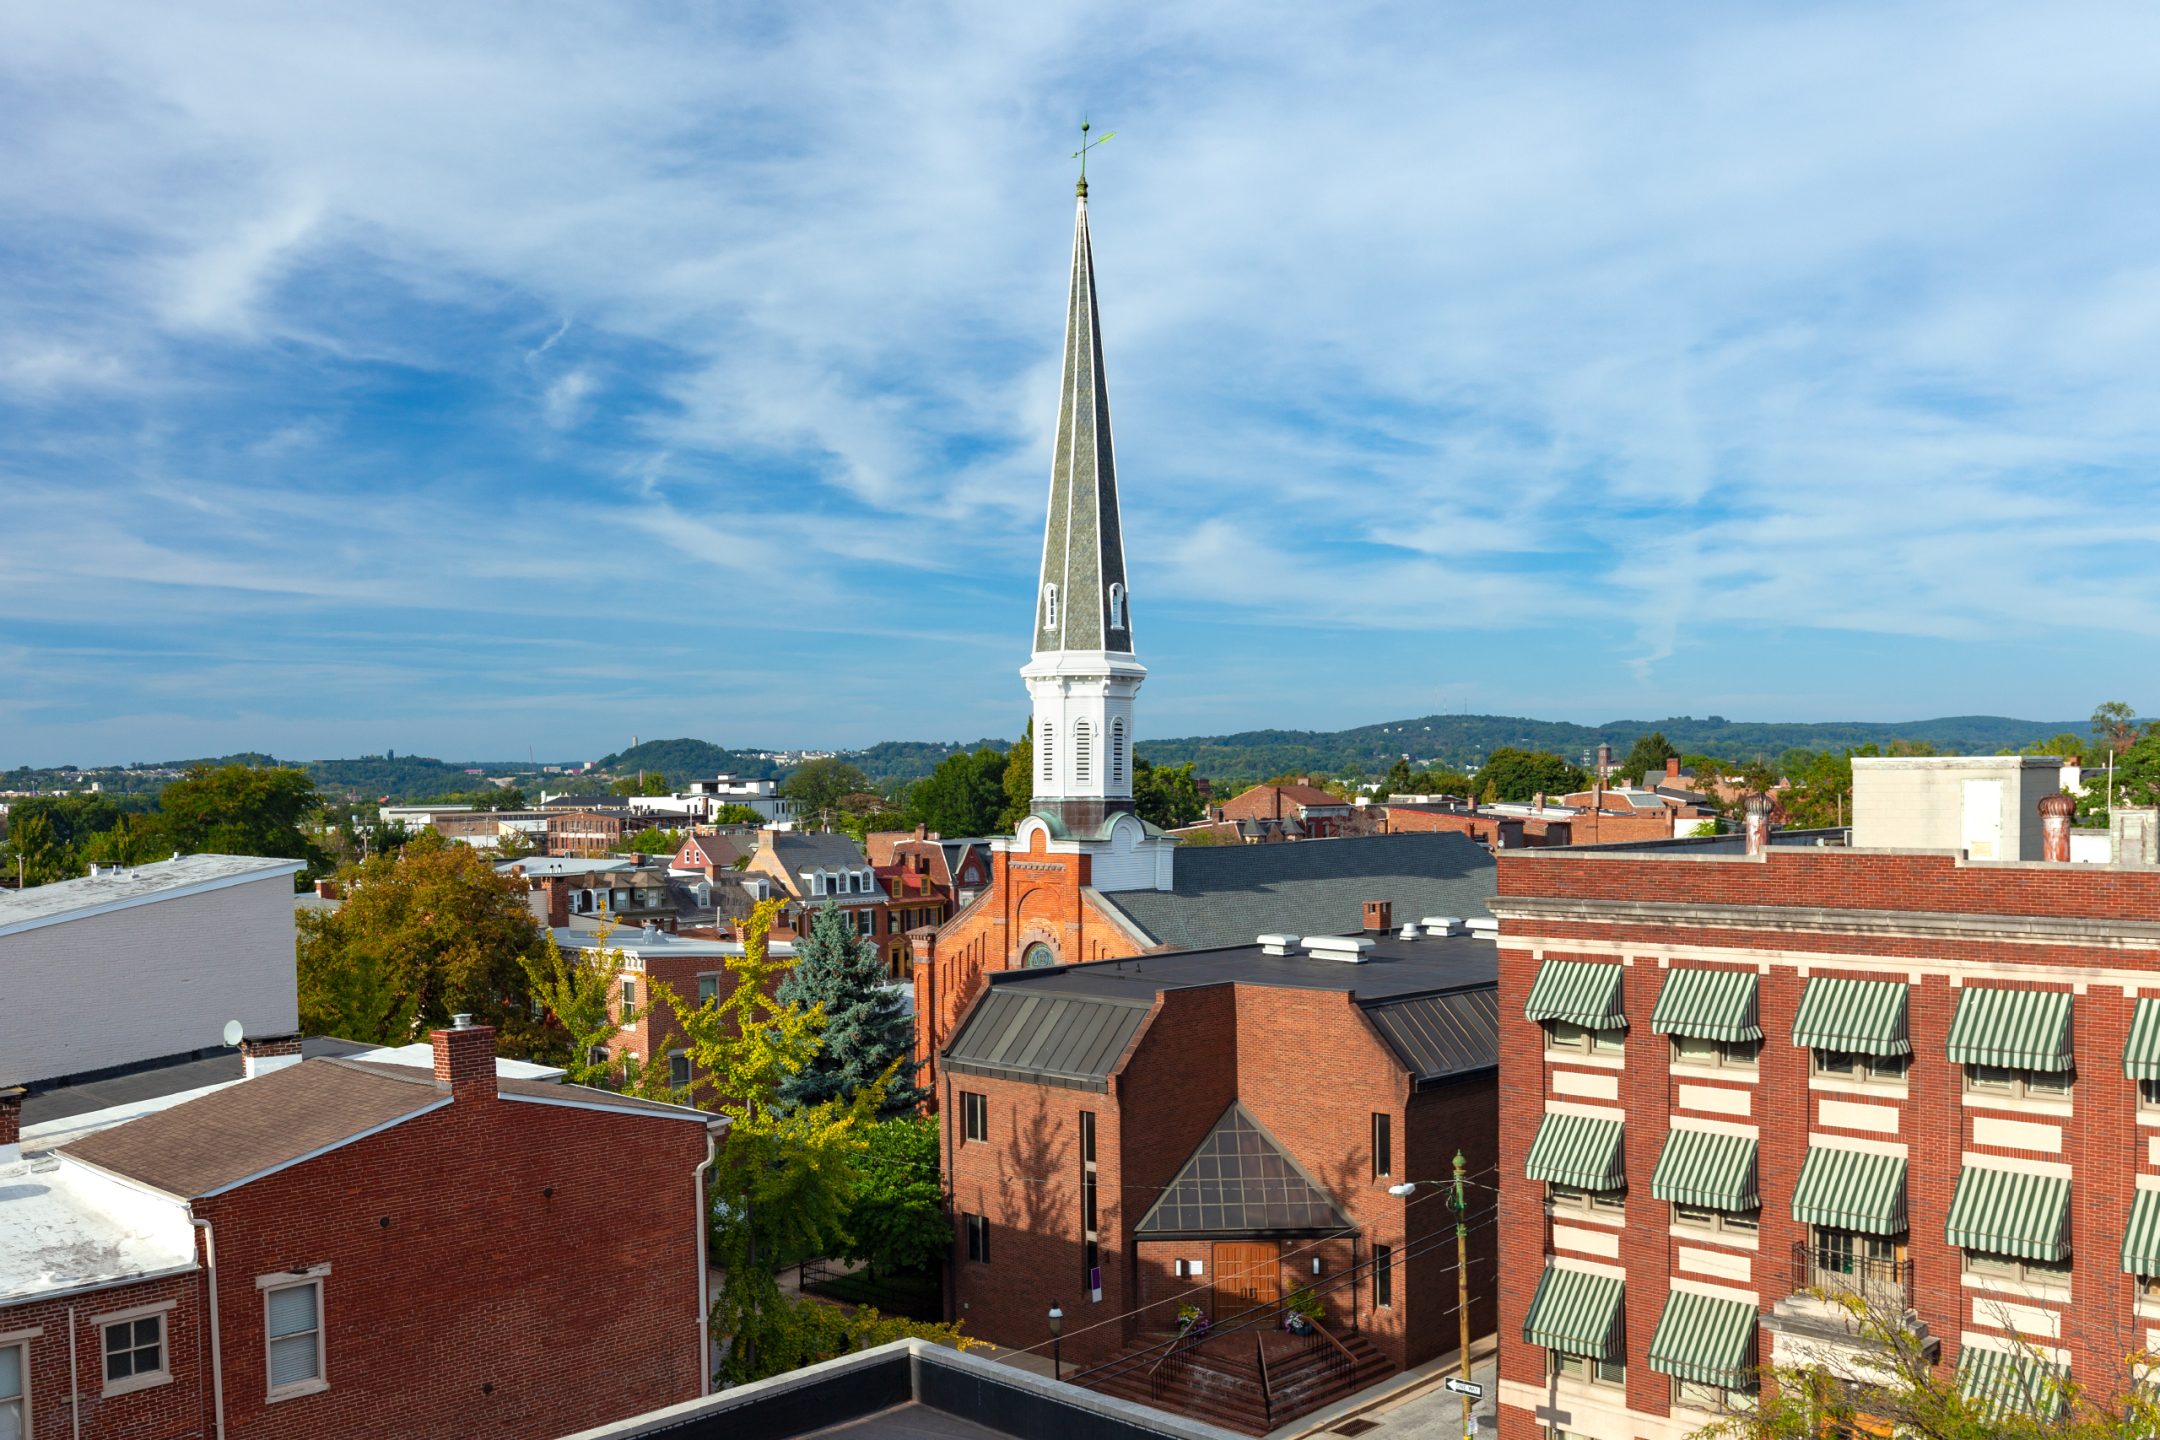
x: 2101, y: 1140
x: 166, y: 1412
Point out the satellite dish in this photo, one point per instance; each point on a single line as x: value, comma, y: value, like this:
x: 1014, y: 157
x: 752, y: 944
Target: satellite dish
x: 233, y: 1031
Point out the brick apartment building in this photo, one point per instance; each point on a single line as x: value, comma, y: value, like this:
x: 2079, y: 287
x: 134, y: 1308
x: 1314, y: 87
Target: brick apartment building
x: 587, y: 832
x: 1731, y: 1080
x: 1221, y: 1127
x: 915, y: 872
x: 1304, y: 811
x: 346, y: 1248
x: 812, y: 869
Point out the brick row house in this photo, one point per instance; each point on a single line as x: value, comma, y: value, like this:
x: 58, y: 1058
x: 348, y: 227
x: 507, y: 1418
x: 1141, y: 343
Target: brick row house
x: 338, y: 1247
x: 1127, y: 1137
x: 1735, y: 1084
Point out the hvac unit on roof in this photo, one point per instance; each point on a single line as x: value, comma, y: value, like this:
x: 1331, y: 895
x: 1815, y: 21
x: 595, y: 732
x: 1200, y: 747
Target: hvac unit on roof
x: 1349, y: 949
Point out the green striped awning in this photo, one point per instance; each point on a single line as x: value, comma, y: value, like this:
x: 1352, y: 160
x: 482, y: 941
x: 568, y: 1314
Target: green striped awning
x: 1707, y: 1004
x: 2008, y: 1212
x: 2003, y: 1380
x: 2141, y: 1057
x: 1577, y: 1150
x: 1576, y: 1312
x: 1865, y: 1016
x: 1851, y: 1190
x: 2141, y: 1243
x: 1700, y: 1167
x: 1584, y: 991
x: 1705, y: 1339
x: 2023, y: 1029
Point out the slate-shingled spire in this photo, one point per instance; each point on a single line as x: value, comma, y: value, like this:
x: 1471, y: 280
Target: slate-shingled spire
x: 1083, y: 564
x: 1082, y: 675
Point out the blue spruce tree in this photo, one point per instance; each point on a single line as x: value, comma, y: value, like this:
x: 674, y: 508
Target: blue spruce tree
x: 866, y: 1028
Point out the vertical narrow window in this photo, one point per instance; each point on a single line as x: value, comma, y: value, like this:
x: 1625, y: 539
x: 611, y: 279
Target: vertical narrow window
x: 1117, y: 607
x: 14, y: 1390
x: 1117, y: 751
x: 1383, y: 1144
x: 1042, y: 744
x: 978, y: 1237
x: 629, y: 996
x: 708, y: 989
x: 1050, y: 607
x: 1383, y: 1277
x: 1090, y: 1236
x: 1083, y: 759
x: 974, y: 1116
x: 293, y: 1327
x: 678, y: 1070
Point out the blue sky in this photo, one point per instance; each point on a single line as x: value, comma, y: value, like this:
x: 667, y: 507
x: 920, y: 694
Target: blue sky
x: 469, y: 379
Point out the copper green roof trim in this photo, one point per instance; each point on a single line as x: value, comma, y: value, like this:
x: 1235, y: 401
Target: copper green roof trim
x: 1705, y: 1339
x: 1582, y: 991
x: 2005, y: 1381
x: 2007, y: 1212
x: 2141, y: 1056
x: 2141, y: 1243
x: 1707, y: 1004
x: 1864, y: 1016
x: 2023, y: 1029
x: 1577, y: 1313
x: 1851, y: 1190
x: 1577, y: 1150
x: 1702, y: 1167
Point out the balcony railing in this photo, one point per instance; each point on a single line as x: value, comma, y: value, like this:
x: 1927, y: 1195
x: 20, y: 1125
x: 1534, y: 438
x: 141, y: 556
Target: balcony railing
x: 1880, y: 1285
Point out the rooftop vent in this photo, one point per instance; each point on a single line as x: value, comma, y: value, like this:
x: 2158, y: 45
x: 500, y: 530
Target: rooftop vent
x: 1278, y: 944
x: 1443, y: 924
x: 1347, y: 948
x: 1484, y: 927
x: 1408, y: 932
x: 461, y: 1021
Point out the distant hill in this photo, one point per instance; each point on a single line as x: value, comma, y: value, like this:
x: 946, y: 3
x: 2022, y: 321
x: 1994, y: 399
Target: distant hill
x: 1462, y: 741
x: 686, y: 759
x: 912, y: 759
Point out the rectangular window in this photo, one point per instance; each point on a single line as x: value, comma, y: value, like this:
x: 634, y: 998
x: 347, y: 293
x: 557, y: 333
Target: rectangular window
x: 134, y: 1352
x: 2149, y: 1094
x: 1988, y: 1264
x: 1574, y: 1197
x: 629, y: 995
x: 1567, y: 1035
x: 2018, y: 1084
x: 1702, y: 1217
x: 14, y: 1391
x: 292, y: 1325
x: 1383, y: 1145
x: 1722, y: 1054
x: 974, y: 1117
x: 1694, y: 1395
x: 978, y: 1237
x: 1587, y: 1369
x: 1383, y: 1277
x: 1852, y: 1065
x: 1088, y: 1227
x: 708, y: 989
x: 678, y: 1070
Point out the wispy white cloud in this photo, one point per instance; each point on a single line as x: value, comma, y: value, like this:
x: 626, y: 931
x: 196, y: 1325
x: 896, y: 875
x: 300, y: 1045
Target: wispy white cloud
x: 1517, y: 343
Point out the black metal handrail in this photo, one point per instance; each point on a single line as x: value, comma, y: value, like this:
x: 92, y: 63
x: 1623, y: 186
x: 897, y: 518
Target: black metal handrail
x: 1883, y: 1284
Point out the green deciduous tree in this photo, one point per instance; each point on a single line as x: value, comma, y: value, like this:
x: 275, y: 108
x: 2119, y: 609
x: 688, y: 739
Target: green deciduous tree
x: 245, y: 810
x: 424, y: 933
x: 965, y: 795
x: 647, y: 782
x: 35, y: 852
x: 2114, y: 726
x: 799, y: 1332
x: 896, y: 1218
x: 1019, y: 782
x: 816, y: 787
x: 580, y: 994
x: 737, y: 815
x: 1166, y: 795
x: 1399, y: 780
x: 652, y: 840
x: 1512, y: 774
x: 1647, y: 756
x: 867, y: 1039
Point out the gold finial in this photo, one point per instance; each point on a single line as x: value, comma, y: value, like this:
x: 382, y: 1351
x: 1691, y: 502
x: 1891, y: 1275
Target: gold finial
x: 1082, y: 153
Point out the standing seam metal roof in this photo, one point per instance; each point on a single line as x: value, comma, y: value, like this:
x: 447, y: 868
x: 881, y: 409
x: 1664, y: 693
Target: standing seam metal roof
x: 1074, y: 1040
x: 1438, y: 1037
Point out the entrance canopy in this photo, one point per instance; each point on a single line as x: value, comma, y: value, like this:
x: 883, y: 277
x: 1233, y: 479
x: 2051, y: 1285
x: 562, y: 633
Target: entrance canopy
x: 1240, y: 1181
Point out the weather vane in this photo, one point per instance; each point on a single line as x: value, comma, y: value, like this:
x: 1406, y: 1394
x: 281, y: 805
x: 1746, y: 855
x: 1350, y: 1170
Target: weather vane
x: 1086, y: 145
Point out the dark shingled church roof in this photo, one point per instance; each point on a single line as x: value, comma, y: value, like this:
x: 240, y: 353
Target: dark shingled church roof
x: 1227, y: 894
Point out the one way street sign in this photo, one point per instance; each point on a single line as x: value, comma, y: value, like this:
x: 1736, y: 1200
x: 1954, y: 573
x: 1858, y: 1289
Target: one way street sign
x: 1466, y: 1387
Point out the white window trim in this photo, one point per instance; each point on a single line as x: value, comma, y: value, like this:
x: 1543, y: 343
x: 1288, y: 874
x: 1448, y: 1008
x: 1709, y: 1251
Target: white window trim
x: 20, y: 1339
x: 314, y: 1276
x: 160, y: 1376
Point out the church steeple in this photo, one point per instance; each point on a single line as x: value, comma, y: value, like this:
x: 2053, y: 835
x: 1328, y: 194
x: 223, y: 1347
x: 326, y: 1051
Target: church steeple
x: 1082, y: 601
x: 1083, y: 677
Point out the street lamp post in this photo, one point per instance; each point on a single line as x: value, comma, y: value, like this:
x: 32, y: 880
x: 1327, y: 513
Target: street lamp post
x: 1057, y: 1328
x: 1461, y: 1205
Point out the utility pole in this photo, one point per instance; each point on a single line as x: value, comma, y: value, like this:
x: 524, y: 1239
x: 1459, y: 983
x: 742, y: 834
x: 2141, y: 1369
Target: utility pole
x: 1462, y: 1290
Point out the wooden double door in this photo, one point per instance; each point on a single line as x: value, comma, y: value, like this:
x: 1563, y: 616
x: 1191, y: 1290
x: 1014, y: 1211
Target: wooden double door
x: 1247, y: 1273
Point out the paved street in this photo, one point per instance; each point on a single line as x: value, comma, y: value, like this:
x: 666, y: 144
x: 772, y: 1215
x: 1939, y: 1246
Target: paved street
x: 1428, y: 1411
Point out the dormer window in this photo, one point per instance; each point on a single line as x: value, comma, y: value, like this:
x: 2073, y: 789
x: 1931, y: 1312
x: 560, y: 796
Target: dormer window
x: 1117, y: 607
x: 1050, y: 613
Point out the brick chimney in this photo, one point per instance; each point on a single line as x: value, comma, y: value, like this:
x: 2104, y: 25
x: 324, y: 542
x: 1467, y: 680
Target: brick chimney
x: 11, y: 1124
x: 2055, y: 813
x: 922, y: 832
x: 1755, y: 821
x: 1604, y: 763
x: 1672, y: 768
x: 327, y: 889
x: 465, y: 1059
x: 555, y: 893
x: 1379, y: 916
x: 271, y: 1052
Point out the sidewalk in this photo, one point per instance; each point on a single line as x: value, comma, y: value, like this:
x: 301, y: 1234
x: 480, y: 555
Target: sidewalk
x: 1415, y: 1405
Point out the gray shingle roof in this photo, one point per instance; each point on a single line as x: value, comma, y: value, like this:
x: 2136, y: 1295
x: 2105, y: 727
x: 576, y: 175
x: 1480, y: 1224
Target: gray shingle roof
x: 815, y: 850
x: 1227, y: 894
